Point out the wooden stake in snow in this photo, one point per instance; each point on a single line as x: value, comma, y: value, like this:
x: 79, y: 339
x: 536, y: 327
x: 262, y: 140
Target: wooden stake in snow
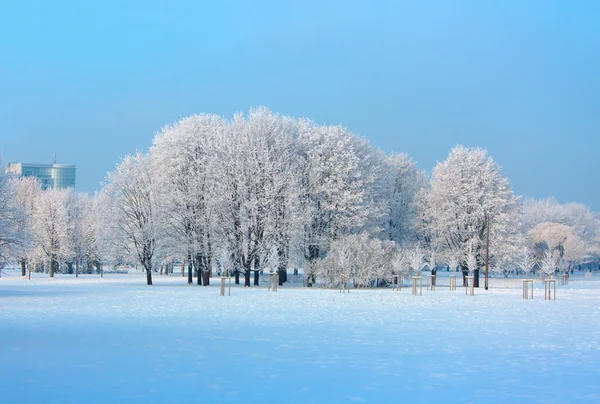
x: 548, y: 285
x: 452, y: 280
x: 564, y: 279
x: 470, y: 285
x: 526, y: 284
x: 223, y: 279
x: 431, y: 282
x: 273, y: 281
x: 344, y: 283
x: 414, y: 285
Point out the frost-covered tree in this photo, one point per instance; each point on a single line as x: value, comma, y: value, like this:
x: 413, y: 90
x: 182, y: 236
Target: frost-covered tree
x: 399, y: 263
x: 131, y: 212
x: 368, y: 260
x: 90, y: 231
x: 416, y: 259
x: 549, y: 262
x: 403, y: 181
x: 184, y: 163
x: 526, y: 261
x: 50, y: 223
x: 467, y: 193
x: 78, y: 208
x: 27, y: 194
x: 453, y: 262
x: 260, y: 189
x: 559, y: 238
x: 583, y: 222
x: 13, y: 231
x: 470, y: 261
x: 338, y: 173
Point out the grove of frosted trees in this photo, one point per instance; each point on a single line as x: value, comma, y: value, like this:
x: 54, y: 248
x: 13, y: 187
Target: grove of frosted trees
x: 264, y: 192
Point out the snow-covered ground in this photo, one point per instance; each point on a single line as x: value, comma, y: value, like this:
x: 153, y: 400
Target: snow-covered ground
x: 116, y: 340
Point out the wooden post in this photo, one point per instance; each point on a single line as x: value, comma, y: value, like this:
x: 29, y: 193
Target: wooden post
x: 470, y: 285
x: 273, y: 281
x: 431, y: 282
x: 414, y: 285
x: 548, y: 285
x: 452, y: 282
x: 223, y: 279
x: 526, y: 284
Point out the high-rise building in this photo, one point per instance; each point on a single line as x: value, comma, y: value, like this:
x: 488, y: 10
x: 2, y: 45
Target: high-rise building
x: 57, y: 176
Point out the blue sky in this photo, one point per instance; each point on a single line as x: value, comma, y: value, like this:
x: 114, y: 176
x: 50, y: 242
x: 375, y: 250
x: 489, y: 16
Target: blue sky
x: 95, y: 81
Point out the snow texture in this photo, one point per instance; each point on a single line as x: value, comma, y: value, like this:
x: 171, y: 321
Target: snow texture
x: 92, y: 340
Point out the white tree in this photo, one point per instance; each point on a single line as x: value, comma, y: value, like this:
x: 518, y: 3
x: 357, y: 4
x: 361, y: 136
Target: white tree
x: 575, y: 215
x: 339, y: 261
x: 467, y: 194
x: 549, y: 262
x: 50, y: 223
x: 28, y: 190
x: 338, y: 177
x: 367, y: 259
x: 416, y: 259
x: 131, y: 214
x: 184, y: 163
x: 403, y: 181
x: 470, y: 261
x: 560, y: 238
x: 259, y: 189
x: 13, y: 231
x: 527, y: 261
x: 453, y: 262
x: 79, y: 212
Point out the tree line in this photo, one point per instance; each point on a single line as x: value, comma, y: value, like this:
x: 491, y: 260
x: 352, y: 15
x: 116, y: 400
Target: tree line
x: 262, y: 191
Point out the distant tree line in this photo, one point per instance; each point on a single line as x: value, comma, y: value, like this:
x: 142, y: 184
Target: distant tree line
x: 266, y: 192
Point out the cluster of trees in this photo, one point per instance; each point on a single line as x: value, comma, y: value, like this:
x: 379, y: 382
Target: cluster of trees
x: 262, y: 191
x: 47, y: 230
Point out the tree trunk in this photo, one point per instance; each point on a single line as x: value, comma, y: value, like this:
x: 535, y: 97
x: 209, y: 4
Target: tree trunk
x: 476, y: 278
x: 313, y: 255
x: 256, y: 270
x: 208, y: 259
x: 247, y: 278
x: 237, y: 276
x: 199, y: 264
x: 52, y: 263
x: 23, y: 269
x: 148, y: 276
x: 190, y: 271
x: 206, y: 271
x: 183, y: 268
x: 77, y: 268
x: 256, y: 277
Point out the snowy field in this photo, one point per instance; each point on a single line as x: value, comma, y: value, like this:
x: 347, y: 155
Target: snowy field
x: 92, y: 340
